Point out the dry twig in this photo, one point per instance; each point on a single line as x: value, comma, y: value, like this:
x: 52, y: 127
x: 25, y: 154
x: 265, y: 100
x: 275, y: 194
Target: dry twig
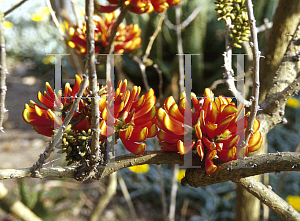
x: 3, y: 72
x: 256, y: 56
x: 14, y: 7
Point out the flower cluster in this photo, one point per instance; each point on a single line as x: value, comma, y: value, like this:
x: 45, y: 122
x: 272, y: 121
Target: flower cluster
x: 45, y: 120
x: 138, y: 6
x: 127, y: 37
x: 211, y: 130
x: 133, y: 117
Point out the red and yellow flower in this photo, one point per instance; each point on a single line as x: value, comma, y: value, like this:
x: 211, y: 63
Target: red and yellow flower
x: 134, y: 118
x: 45, y: 119
x: 127, y: 37
x: 138, y: 6
x: 212, y: 128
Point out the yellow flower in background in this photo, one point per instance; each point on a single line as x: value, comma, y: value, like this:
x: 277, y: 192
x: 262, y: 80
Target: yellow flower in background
x: 41, y: 14
x: 140, y: 168
x: 7, y: 24
x: 293, y: 102
x: 180, y: 175
x: 294, y: 201
x: 49, y: 59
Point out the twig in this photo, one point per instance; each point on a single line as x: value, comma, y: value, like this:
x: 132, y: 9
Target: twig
x: 267, y: 25
x: 265, y: 163
x: 54, y: 19
x: 169, y: 24
x: 14, y: 7
x: 192, y: 16
x: 127, y: 197
x: 143, y: 71
x: 214, y: 85
x: 152, y: 38
x: 51, y: 146
x: 162, y: 192
x: 273, y: 108
x: 229, y: 74
x: 172, y: 208
x: 184, y: 209
x: 3, y: 72
x: 105, y: 198
x: 256, y: 56
x: 95, y: 148
x: 179, y: 48
x: 110, y: 46
x: 160, y: 85
x: 174, y: 188
x: 187, y: 21
x: 268, y: 197
x: 16, y: 206
x: 161, y: 185
x: 142, y: 62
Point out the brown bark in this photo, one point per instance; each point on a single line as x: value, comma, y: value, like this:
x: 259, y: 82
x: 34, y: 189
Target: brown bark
x: 285, y: 22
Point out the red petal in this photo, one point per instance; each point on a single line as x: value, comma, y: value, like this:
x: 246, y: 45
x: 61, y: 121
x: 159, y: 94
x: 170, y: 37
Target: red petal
x: 105, y: 9
x: 83, y: 125
x: 134, y: 147
x: 167, y: 137
x: 46, y: 131
x: 209, y: 165
x: 186, y: 147
x: 200, y: 149
x: 228, y: 110
x: 209, y: 144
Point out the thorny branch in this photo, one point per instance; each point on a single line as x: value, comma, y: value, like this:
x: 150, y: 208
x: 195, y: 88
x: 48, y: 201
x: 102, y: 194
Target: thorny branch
x: 90, y: 167
x: 251, y: 166
x: 3, y: 72
x: 229, y: 74
x: 256, y: 56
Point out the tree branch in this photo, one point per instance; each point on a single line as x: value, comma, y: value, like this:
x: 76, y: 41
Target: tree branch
x: 229, y: 74
x: 3, y: 72
x: 268, y: 197
x: 256, y: 56
x: 14, y: 7
x: 250, y: 166
x: 89, y: 167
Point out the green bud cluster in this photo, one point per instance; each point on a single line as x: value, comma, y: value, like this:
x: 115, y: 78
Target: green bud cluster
x: 237, y: 12
x: 75, y: 144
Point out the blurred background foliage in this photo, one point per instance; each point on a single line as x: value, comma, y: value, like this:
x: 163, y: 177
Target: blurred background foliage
x: 31, y: 34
